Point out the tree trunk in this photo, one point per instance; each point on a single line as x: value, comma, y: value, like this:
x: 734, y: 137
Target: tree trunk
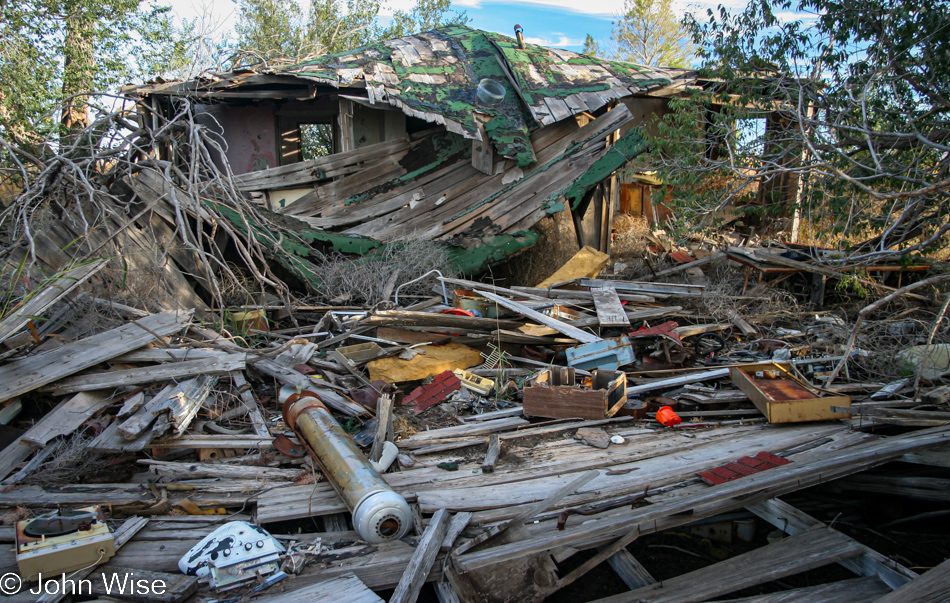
x: 78, y: 66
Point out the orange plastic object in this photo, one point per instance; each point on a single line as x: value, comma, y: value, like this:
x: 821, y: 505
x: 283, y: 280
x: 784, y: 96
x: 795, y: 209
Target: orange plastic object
x: 665, y: 416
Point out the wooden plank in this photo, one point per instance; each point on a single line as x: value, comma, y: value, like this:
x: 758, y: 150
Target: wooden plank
x: 869, y: 563
x: 66, y: 418
x: 557, y: 325
x: 648, y: 288
x: 458, y: 524
x: 142, y: 418
x: 250, y: 403
x: 169, y: 355
x: 856, y: 590
x: 931, y: 587
x: 808, y: 550
x: 567, y: 293
x: 407, y: 591
x: 347, y: 588
x: 631, y: 571
x: 289, y: 376
x: 185, y: 402
x: 491, y: 456
x: 216, y: 441
x: 610, y: 312
x: 33, y: 372
x: 384, y: 419
x: 718, y: 499
x: 48, y: 293
x: 219, y: 470
x: 687, y: 266
x: 125, y: 584
x: 152, y: 374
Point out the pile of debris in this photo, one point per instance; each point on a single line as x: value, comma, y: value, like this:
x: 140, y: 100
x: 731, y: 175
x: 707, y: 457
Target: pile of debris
x: 323, y: 453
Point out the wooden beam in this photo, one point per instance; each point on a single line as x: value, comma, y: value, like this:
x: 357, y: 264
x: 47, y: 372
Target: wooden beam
x: 870, y: 563
x: 138, y: 376
x: 810, y: 549
x: 931, y: 587
x: 407, y: 591
x: 33, y: 372
x: 491, y: 457
x: 557, y: 325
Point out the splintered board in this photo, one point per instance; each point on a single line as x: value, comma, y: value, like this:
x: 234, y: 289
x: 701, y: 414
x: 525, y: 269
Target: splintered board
x: 784, y: 400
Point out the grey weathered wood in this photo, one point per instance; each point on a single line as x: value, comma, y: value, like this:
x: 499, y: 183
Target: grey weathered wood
x: 178, y: 470
x: 856, y: 590
x: 687, y: 266
x: 143, y: 418
x: 289, y: 376
x: 342, y: 589
x: 530, y: 511
x: 131, y: 404
x: 558, y: 294
x: 557, y: 325
x: 216, y: 441
x: 458, y: 524
x: 743, y: 324
x: 35, y: 462
x: 648, y: 288
x: 66, y: 418
x: 33, y: 372
x: 185, y: 402
x: 610, y: 312
x: 633, y: 574
x: 250, y: 403
x: 715, y: 500
x: 422, y: 560
x: 930, y: 587
x: 152, y: 374
x: 384, y: 419
x: 51, y: 292
x: 808, y: 550
x: 108, y: 581
x: 489, y: 287
x: 870, y: 563
x: 170, y: 355
x: 491, y: 456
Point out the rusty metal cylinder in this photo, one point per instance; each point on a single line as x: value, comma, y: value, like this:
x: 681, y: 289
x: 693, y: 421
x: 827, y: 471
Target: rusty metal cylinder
x: 379, y: 513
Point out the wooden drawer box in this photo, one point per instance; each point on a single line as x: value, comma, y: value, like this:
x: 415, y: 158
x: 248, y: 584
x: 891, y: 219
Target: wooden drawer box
x: 555, y: 395
x: 784, y: 400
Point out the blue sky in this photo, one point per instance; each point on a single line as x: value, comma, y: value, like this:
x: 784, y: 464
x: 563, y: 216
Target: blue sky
x: 557, y: 23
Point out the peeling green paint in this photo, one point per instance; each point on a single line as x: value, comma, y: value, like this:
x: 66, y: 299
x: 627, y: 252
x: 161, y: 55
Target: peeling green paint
x: 478, y: 254
x: 628, y: 147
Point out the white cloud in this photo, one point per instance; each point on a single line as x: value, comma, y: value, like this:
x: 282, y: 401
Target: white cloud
x: 557, y: 41
x: 607, y: 8
x: 467, y: 3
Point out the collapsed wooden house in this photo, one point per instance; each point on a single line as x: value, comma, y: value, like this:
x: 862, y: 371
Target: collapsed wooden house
x: 454, y: 135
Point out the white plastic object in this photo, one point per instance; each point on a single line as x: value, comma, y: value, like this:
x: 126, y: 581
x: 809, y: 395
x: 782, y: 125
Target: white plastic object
x: 390, y: 452
x: 234, y: 553
x: 617, y: 439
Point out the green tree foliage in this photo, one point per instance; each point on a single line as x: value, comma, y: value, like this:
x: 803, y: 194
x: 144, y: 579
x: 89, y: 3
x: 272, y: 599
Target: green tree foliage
x: 648, y: 33
x: 852, y: 113
x: 276, y: 29
x: 591, y: 47
x: 53, y: 50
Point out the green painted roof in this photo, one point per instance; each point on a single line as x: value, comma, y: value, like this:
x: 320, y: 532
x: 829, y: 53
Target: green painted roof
x: 434, y: 75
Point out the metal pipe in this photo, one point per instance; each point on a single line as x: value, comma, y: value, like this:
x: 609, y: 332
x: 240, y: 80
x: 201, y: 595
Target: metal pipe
x: 379, y: 513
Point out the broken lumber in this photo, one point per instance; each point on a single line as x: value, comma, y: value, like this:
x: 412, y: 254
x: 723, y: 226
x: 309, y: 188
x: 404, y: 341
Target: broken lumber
x: 139, y: 376
x: 33, y: 372
x: 407, y: 591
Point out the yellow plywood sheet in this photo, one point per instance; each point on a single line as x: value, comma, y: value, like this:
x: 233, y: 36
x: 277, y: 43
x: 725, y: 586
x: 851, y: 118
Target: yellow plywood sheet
x: 437, y: 358
x: 588, y: 262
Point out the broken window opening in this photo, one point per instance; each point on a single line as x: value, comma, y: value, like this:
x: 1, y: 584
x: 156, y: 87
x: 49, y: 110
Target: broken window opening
x: 316, y: 140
